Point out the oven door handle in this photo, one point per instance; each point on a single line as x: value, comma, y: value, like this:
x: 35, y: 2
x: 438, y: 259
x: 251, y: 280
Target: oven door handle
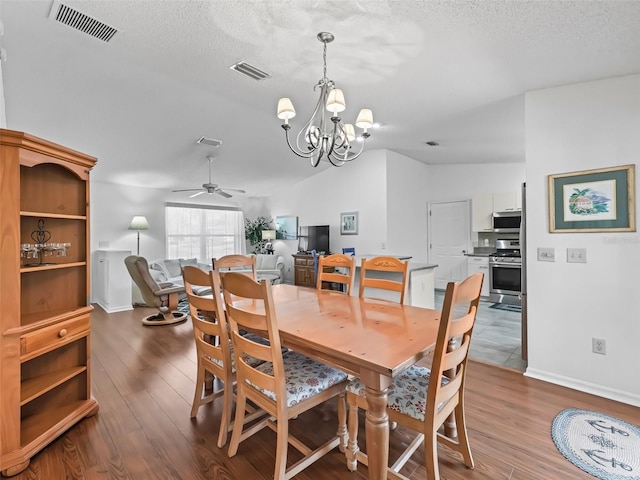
x: 506, y: 265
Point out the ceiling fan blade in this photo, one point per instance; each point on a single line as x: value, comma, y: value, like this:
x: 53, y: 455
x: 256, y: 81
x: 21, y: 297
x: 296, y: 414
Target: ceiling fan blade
x: 196, y: 194
x: 223, y: 194
x: 188, y: 190
x: 235, y: 190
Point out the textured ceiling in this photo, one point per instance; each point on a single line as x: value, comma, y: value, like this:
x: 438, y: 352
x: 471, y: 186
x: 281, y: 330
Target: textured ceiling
x: 454, y: 72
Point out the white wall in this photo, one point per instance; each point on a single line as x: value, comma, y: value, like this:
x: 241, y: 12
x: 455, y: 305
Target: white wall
x: 461, y: 182
x: 113, y: 207
x: 407, y: 197
x: 573, y: 128
x: 359, y: 186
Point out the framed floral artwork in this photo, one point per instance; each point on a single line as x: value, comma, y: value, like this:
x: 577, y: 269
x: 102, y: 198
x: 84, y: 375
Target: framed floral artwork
x: 601, y: 200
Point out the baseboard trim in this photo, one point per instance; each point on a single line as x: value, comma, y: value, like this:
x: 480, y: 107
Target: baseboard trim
x: 572, y: 383
x: 123, y: 308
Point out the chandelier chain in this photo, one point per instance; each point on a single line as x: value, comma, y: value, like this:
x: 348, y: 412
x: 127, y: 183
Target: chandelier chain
x: 324, y: 60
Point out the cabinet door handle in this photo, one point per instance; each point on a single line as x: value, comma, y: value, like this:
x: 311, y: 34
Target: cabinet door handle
x: 62, y: 332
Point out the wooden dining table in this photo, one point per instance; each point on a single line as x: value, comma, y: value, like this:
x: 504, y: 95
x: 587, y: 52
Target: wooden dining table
x: 374, y: 340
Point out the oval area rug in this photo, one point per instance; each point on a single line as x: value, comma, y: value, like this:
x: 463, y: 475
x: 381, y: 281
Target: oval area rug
x: 606, y: 447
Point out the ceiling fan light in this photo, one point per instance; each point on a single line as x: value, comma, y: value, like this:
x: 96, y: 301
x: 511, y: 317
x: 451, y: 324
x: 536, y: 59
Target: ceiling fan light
x: 335, y: 101
x: 285, y: 109
x: 365, y: 119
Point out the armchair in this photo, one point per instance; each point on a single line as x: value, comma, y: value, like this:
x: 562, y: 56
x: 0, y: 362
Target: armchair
x: 164, y: 296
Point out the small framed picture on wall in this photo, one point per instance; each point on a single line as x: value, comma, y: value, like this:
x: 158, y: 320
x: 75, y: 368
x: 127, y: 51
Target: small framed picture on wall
x: 349, y: 223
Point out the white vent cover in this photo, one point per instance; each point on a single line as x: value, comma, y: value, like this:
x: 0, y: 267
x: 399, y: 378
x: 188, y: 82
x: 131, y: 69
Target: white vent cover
x: 250, y: 71
x: 75, y: 19
x: 214, y: 142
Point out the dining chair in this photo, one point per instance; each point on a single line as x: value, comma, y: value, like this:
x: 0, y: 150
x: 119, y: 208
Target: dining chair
x: 422, y: 399
x: 285, y: 385
x: 245, y: 264
x: 336, y: 265
x: 374, y: 273
x: 213, y: 346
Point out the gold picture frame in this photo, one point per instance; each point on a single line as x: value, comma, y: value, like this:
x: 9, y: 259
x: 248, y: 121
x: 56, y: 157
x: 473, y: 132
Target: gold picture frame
x: 600, y: 200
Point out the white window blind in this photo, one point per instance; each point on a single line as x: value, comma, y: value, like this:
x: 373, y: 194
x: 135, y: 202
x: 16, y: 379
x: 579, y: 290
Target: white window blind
x: 203, y: 232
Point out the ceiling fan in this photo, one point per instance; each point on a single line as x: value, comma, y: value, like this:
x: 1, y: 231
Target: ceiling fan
x: 210, y: 188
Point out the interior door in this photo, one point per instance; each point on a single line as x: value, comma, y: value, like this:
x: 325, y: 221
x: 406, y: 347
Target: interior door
x: 449, y: 236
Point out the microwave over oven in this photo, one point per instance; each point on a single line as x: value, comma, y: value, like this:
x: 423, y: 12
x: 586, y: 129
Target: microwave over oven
x: 506, y: 222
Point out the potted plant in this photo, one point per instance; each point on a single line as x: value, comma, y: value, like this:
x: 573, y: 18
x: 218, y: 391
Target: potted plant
x: 253, y: 232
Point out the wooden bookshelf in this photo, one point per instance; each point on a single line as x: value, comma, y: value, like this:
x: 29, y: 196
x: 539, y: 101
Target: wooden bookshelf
x: 44, y: 334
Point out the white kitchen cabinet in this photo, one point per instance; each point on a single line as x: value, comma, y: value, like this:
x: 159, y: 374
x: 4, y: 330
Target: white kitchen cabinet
x: 506, y: 202
x: 482, y: 206
x: 480, y: 265
x: 112, y: 281
x: 481, y: 210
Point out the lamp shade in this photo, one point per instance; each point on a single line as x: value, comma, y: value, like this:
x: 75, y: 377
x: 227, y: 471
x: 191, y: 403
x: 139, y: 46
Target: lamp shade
x: 268, y: 234
x: 335, y: 101
x: 285, y: 109
x: 350, y: 132
x: 365, y: 119
x: 139, y: 223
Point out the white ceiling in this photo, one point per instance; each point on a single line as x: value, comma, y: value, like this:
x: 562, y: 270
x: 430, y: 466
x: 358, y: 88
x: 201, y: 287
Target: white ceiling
x: 450, y: 71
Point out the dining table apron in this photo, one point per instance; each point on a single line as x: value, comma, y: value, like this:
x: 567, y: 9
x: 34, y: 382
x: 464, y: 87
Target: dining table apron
x: 372, y: 339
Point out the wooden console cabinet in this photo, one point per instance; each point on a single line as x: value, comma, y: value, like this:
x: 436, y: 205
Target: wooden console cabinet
x: 45, y: 384
x: 304, y: 272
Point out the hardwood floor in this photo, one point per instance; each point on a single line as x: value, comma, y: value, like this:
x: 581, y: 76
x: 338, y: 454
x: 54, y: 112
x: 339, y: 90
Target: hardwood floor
x: 143, y: 379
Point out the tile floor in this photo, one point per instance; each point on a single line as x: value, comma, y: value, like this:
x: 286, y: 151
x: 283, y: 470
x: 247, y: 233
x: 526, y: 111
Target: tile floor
x: 496, y: 335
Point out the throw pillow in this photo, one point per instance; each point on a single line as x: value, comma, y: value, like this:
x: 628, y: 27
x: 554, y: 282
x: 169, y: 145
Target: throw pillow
x: 158, y: 276
x: 173, y: 267
x: 188, y: 261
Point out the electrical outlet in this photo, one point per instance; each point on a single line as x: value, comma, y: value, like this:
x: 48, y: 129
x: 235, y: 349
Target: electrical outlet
x: 599, y: 346
x: 546, y: 254
x: 576, y: 255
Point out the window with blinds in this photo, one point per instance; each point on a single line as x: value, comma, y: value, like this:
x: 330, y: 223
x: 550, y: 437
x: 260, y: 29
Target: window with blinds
x: 203, y: 232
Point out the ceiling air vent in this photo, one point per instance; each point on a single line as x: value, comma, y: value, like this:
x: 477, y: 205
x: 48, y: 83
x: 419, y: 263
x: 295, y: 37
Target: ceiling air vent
x: 214, y: 142
x: 78, y: 20
x: 250, y: 71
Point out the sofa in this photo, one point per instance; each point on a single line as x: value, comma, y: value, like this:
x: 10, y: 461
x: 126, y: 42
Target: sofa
x: 169, y: 270
x: 270, y: 267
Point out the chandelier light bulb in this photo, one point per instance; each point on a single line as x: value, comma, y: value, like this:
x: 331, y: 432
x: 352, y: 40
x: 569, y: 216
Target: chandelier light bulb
x: 335, y: 101
x: 365, y: 119
x: 350, y: 132
x: 285, y: 109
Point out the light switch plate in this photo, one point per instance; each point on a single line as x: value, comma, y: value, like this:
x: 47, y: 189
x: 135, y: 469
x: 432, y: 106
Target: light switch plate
x: 576, y: 255
x: 546, y: 254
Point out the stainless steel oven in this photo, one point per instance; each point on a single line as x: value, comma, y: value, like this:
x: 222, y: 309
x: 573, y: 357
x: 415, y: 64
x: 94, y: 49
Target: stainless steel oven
x: 505, y: 273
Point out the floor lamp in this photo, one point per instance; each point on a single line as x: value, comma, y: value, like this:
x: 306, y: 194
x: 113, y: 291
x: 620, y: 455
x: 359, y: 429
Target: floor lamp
x: 139, y: 223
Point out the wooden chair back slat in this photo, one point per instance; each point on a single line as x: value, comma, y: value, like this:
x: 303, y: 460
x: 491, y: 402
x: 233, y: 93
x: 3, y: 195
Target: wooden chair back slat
x: 250, y: 307
x: 384, y: 264
x: 244, y: 264
x: 337, y: 260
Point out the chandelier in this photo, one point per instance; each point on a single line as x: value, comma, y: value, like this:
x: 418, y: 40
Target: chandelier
x: 320, y: 138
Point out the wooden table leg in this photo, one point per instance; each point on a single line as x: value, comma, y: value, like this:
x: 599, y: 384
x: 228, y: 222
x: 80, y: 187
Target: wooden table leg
x: 377, y: 430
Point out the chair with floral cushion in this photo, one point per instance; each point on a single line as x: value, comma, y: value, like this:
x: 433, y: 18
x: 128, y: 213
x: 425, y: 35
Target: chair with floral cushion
x: 422, y: 399
x: 336, y: 264
x: 374, y: 274
x: 285, y: 385
x: 213, y: 346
